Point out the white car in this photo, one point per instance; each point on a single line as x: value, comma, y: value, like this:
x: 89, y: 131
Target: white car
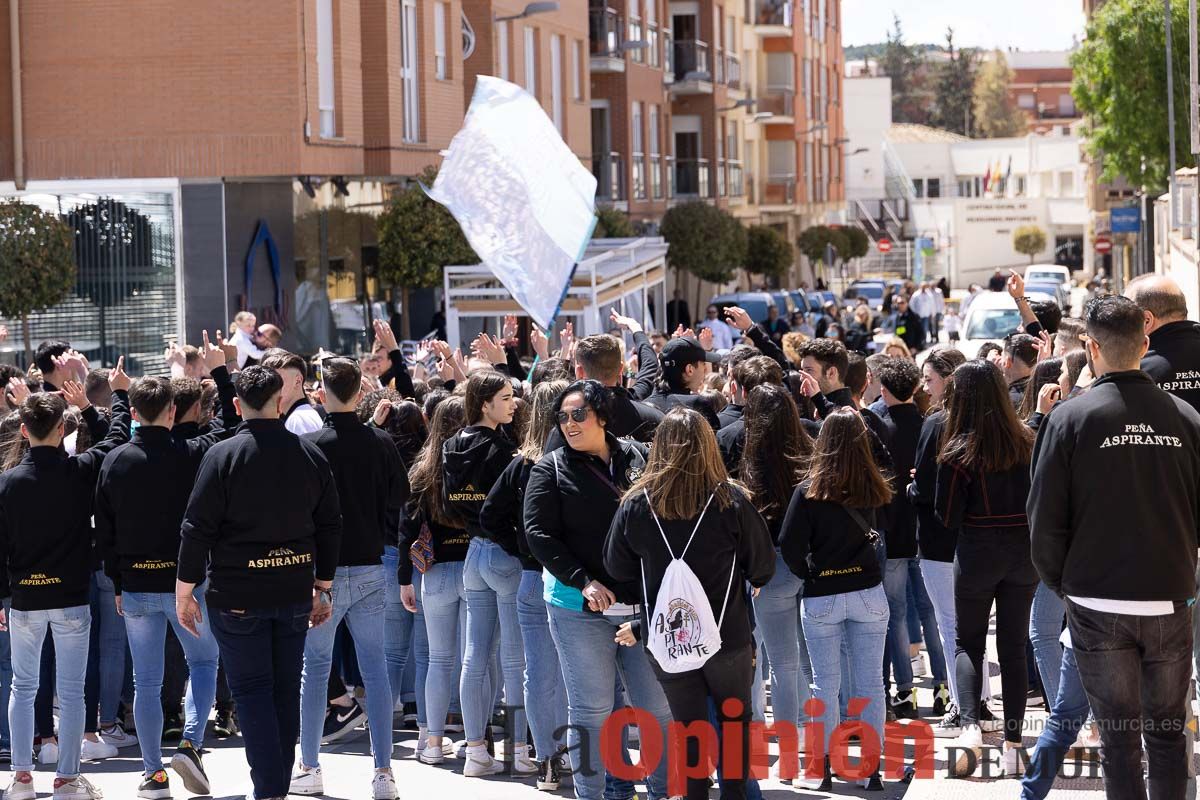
x: 1049, y: 273
x: 991, y: 317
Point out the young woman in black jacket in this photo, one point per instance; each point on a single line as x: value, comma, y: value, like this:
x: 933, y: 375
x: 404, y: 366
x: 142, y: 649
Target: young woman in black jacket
x: 502, y: 522
x: 829, y: 541
x: 774, y: 461
x: 982, y: 488
x: 684, y: 506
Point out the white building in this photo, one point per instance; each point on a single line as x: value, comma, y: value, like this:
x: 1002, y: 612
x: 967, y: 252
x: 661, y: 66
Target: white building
x: 868, y: 116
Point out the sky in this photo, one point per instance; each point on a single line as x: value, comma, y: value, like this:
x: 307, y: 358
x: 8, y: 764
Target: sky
x: 1023, y: 24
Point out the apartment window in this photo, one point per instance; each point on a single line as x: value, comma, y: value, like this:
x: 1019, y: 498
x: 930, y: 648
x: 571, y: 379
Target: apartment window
x: 918, y: 187
x: 1066, y: 105
x: 652, y: 32
x: 576, y: 70
x: 325, y: 73
x: 806, y: 83
x: 635, y: 34
x: 531, y: 60
x: 409, y: 36
x: 656, y: 186
x: 1026, y: 101
x: 933, y: 187
x: 639, y: 160
x: 556, y: 82
x: 439, y: 41
x: 653, y: 130
x: 502, y: 57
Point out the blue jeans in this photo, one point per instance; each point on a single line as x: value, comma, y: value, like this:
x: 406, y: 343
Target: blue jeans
x: 358, y: 599
x: 397, y: 630
x: 545, y: 694
x: 591, y: 661
x: 926, y: 629
x: 938, y: 577
x: 1046, y: 618
x: 777, y: 613
x: 1068, y: 712
x: 443, y: 601
x: 895, y: 585
x: 70, y: 629
x: 860, y: 620
x: 6, y: 675
x: 106, y: 656
x: 491, y: 579
x: 263, y: 653
x: 146, y: 618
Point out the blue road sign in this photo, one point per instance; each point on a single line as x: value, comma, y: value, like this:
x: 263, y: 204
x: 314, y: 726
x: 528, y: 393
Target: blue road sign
x: 1126, y: 220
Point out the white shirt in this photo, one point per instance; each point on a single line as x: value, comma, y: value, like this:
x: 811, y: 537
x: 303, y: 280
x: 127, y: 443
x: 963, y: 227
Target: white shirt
x: 922, y: 304
x: 245, y: 347
x: 304, y: 419
x: 952, y: 323
x: 1134, y: 608
x: 722, y: 333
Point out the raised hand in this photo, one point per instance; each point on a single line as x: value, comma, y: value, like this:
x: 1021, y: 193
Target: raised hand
x: 460, y: 365
x: 808, y: 385
x: 214, y: 356
x: 74, y: 394
x: 441, y: 348
x: 229, y: 350
x: 1044, y: 345
x: 541, y: 345
x: 382, y: 412
x: 445, y: 369
x: 567, y: 339
x: 3, y: 333
x: 175, y: 358
x: 509, y: 332
x: 19, y: 390
x: 489, y: 349
x: 384, y: 335
x: 739, y: 318
x: 118, y: 381
x: 1015, y: 285
x: 706, y: 338
x: 625, y: 323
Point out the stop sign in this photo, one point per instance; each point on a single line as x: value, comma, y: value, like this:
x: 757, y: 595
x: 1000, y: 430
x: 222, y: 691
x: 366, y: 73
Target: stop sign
x: 884, y: 245
x: 1103, y: 244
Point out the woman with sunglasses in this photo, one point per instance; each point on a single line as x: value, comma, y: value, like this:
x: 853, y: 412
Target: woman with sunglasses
x: 570, y: 500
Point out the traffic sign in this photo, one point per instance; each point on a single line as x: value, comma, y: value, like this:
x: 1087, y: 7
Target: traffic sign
x: 1103, y: 244
x: 884, y: 245
x: 1126, y: 220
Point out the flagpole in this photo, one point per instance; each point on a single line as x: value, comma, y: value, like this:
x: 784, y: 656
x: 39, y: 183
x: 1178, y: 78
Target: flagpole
x: 562, y: 298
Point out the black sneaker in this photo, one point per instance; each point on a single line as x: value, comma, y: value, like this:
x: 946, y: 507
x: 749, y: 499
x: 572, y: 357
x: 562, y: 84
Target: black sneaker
x: 941, y: 699
x: 225, y: 725
x: 410, y: 716
x: 454, y: 723
x: 549, y: 774
x: 987, y: 722
x: 188, y: 766
x: 905, y: 704
x: 172, y: 728
x: 340, y: 722
x: 155, y: 787
x: 5, y: 754
x: 950, y: 725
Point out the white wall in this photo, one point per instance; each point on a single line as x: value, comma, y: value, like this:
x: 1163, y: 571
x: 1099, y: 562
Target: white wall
x: 927, y: 160
x: 868, y: 115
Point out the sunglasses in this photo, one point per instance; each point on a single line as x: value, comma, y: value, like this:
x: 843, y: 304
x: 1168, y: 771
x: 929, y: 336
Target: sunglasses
x: 579, y: 415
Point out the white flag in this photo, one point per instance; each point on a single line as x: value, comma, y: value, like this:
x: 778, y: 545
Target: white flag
x: 525, y: 203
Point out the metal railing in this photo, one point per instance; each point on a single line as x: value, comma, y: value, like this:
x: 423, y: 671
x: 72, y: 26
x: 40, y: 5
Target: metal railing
x: 669, y: 169
x: 721, y: 182
x: 778, y: 100
x: 606, y: 32
x: 668, y: 51
x: 779, y: 190
x: 692, y: 177
x: 691, y: 60
x: 733, y: 71
x: 737, y: 184
x: 769, y: 12
x: 639, y: 176
x: 656, y: 181
x: 609, y: 169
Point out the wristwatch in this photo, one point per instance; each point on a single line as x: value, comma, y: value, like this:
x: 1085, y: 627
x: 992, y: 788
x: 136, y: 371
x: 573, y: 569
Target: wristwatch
x: 326, y: 595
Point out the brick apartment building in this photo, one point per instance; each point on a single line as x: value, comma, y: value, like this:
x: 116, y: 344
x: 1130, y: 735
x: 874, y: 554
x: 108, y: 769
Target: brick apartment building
x: 1041, y: 88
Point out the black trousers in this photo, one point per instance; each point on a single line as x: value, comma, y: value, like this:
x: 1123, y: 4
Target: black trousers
x: 175, y: 676
x: 993, y: 566
x: 728, y: 674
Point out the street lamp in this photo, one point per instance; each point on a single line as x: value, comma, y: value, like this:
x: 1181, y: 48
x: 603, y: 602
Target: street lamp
x: 745, y: 102
x: 859, y: 150
x: 531, y: 9
x: 624, y: 47
x: 813, y: 129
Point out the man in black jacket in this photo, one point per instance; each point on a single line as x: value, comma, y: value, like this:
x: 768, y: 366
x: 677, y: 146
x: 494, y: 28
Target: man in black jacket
x: 1128, y: 596
x: 906, y: 323
x: 262, y: 518
x: 46, y: 505
x: 598, y: 358
x: 140, y: 499
x: 1173, y: 360
x: 746, y: 375
x: 372, y: 488
x: 682, y: 362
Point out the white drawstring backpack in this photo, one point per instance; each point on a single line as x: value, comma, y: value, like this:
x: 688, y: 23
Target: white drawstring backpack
x: 683, y: 634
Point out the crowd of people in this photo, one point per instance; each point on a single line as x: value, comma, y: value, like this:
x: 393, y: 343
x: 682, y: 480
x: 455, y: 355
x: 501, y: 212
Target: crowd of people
x: 516, y: 550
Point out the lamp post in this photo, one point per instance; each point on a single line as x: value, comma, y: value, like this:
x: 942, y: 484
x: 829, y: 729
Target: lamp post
x: 531, y: 9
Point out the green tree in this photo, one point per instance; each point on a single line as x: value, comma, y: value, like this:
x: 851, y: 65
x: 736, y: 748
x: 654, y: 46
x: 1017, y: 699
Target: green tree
x: 704, y: 240
x: 768, y: 252
x: 954, y: 89
x: 1029, y: 240
x: 812, y: 243
x: 417, y: 238
x: 37, y: 263
x: 1120, y: 87
x: 612, y: 223
x: 905, y: 65
x: 995, y: 114
x: 860, y: 245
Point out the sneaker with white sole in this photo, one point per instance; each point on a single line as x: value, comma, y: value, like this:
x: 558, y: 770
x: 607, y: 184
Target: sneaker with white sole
x: 549, y: 773
x: 383, y: 787
x: 307, y: 781
x: 432, y: 754
x: 156, y: 786
x: 117, y: 737
x: 988, y: 722
x: 1011, y: 765
x: 479, y: 763
x: 950, y: 725
x: 190, y: 768
x: 94, y: 751
x: 20, y: 790
x: 918, y: 666
x: 969, y: 743
x: 522, y: 765
x: 78, y: 788
x: 48, y: 754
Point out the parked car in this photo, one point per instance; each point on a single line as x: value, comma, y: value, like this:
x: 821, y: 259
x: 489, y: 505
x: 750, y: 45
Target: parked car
x: 755, y: 304
x: 1049, y: 273
x: 870, y: 289
x: 990, y: 317
x: 1051, y: 290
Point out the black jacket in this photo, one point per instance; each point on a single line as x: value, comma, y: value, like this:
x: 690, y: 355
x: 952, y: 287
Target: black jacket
x: 843, y: 398
x: 472, y: 460
x: 982, y: 502
x: 908, y: 327
x: 648, y: 368
x: 1116, y: 488
x: 731, y: 414
x: 448, y: 544
x: 935, y: 541
x: 664, y: 400
x: 1174, y: 360
x: 398, y: 370
x: 727, y: 536
x: 570, y: 501
x: 900, y: 518
x: 372, y: 486
x: 45, y: 559
x: 630, y: 419
x: 826, y: 547
x: 731, y: 441
x: 502, y: 515
x: 1016, y: 390
x: 262, y: 518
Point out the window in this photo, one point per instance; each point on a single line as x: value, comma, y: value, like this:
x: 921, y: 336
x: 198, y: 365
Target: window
x: 635, y: 35
x: 933, y: 187
x: 654, y: 130
x: 639, y: 160
x: 1025, y: 100
x: 576, y: 70
x: 918, y: 187
x: 439, y: 41
x: 502, y: 49
x: 652, y: 32
x: 806, y: 87
x: 531, y: 60
x: 656, y: 186
x: 325, y: 73
x: 409, y: 36
x: 556, y: 82
x: 1066, y: 105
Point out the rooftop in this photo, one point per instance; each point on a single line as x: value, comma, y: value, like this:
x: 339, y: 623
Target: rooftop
x: 909, y: 132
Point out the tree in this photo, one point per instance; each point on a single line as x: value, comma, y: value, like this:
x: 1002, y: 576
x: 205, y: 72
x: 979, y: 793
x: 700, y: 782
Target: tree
x: 1029, y: 240
x: 705, y: 241
x: 417, y: 238
x: 955, y: 85
x: 860, y: 245
x: 813, y: 242
x: 905, y: 65
x: 1121, y: 89
x: 612, y: 223
x: 37, y: 263
x: 768, y: 252
x: 995, y: 115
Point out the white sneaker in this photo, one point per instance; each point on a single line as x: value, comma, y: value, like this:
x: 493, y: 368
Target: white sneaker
x: 307, y: 782
x: 384, y: 787
x: 432, y: 754
x: 49, y: 753
x: 94, y: 751
x: 20, y: 791
x: 522, y: 764
x: 1011, y: 765
x: 117, y: 737
x: 480, y: 764
x: 969, y: 742
x: 79, y: 789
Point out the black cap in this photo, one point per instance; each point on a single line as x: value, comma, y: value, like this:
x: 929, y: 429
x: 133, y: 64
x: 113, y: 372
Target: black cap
x: 678, y: 353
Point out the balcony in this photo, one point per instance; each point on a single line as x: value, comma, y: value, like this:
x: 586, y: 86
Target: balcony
x: 770, y: 17
x: 669, y: 171
x: 780, y: 101
x: 639, y: 176
x: 779, y: 190
x: 721, y: 183
x: 609, y: 169
x: 606, y: 33
x: 733, y: 71
x: 737, y: 181
x: 692, y: 75
x: 692, y: 178
x: 656, y: 177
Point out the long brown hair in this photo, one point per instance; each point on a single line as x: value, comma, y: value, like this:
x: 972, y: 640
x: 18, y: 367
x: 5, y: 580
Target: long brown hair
x: 541, y: 421
x: 843, y: 469
x: 777, y: 450
x: 1045, y: 372
x: 482, y: 386
x: 684, y: 467
x: 426, y: 475
x: 982, y: 429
